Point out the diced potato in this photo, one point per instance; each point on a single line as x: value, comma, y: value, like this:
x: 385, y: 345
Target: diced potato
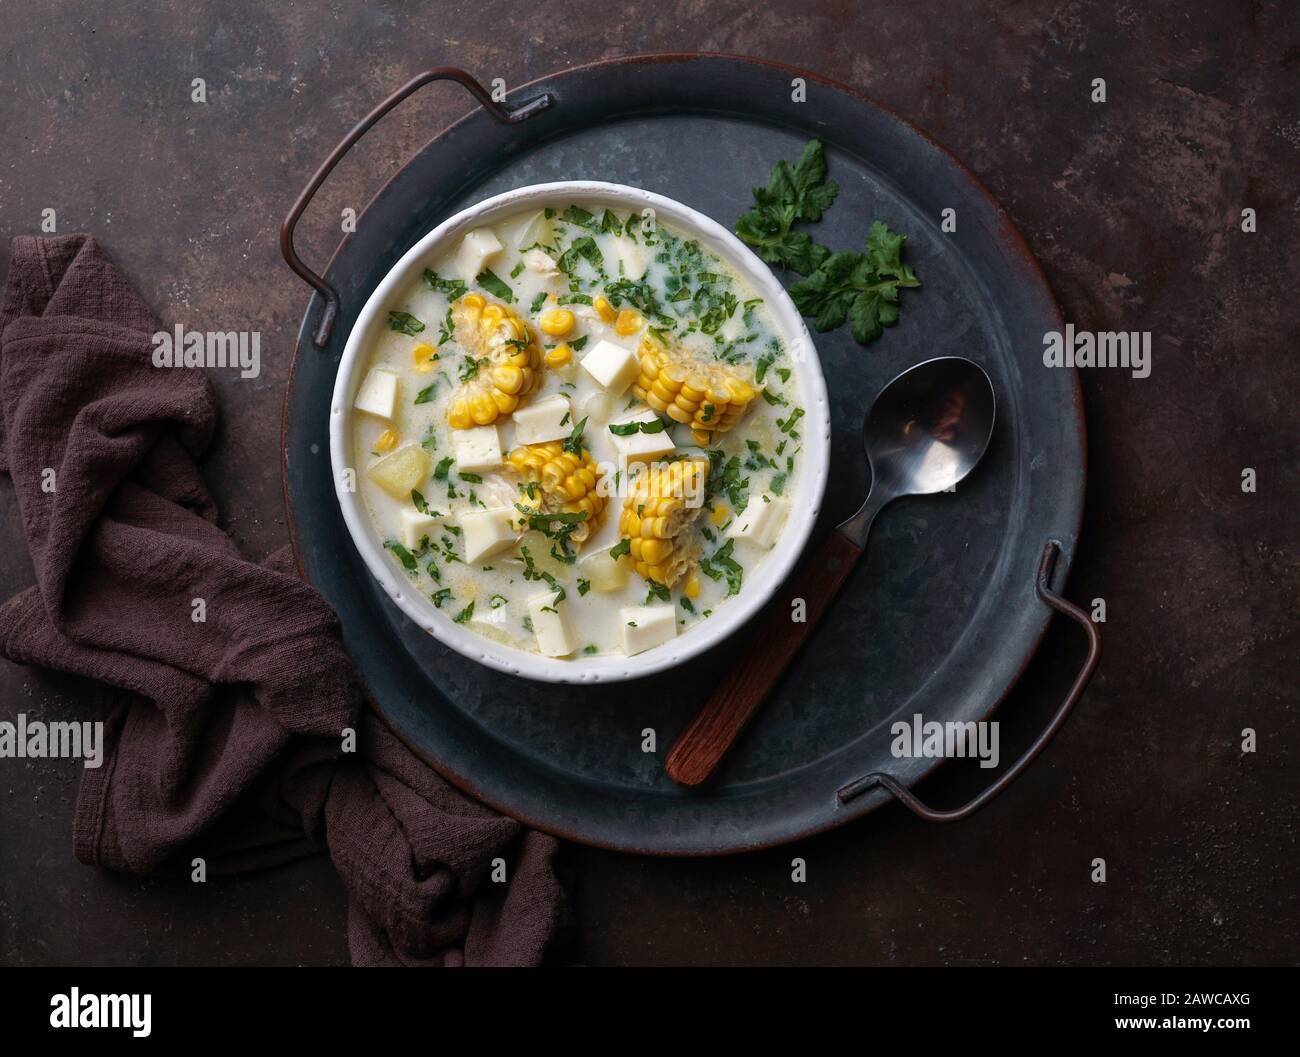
x: 476, y: 449
x: 605, y: 573
x: 487, y: 532
x: 400, y: 471
x: 612, y: 366
x: 530, y: 230
x: 632, y: 256
x: 549, y: 419
x: 378, y: 394
x: 554, y: 636
x: 645, y: 627
x: 539, y: 550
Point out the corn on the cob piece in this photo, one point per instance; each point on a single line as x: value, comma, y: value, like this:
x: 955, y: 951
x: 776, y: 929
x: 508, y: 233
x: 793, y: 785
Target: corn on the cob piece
x: 659, y: 515
x: 565, y: 483
x: 514, y: 362
x: 708, y: 397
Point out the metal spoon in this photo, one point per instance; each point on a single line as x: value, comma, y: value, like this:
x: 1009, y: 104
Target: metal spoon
x: 925, y: 432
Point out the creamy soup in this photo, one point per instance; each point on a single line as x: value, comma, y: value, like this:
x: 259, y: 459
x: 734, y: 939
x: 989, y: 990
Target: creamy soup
x: 577, y: 433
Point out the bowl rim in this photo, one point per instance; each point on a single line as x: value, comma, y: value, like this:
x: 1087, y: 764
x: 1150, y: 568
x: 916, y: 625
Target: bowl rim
x: 806, y: 499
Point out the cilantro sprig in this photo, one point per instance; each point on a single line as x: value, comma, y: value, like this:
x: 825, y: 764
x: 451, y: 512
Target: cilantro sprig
x: 793, y: 192
x: 860, y: 287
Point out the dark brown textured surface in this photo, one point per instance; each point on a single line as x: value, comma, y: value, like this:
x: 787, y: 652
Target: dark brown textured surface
x: 1133, y: 206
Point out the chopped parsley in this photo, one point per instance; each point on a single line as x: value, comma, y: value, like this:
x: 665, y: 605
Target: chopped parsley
x: 721, y: 565
x: 404, y: 323
x: 403, y: 555
x: 495, y: 285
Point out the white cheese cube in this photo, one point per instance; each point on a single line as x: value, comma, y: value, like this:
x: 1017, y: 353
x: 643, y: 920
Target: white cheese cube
x: 760, y: 521
x: 612, y: 366
x: 476, y: 449
x: 632, y: 256
x: 415, y: 526
x: 487, y: 532
x: 554, y: 636
x: 640, y: 446
x: 647, y: 626
x: 475, y: 251
x: 548, y: 419
x: 378, y: 394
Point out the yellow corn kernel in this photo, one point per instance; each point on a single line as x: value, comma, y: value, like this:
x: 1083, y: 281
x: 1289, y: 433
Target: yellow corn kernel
x: 692, y: 589
x: 423, y: 356
x: 387, y: 441
x: 557, y: 322
x: 627, y: 322
x: 659, y: 516
x: 709, y: 398
x: 604, y: 309
x: 720, y: 514
x: 561, y: 483
x: 559, y: 356
x: 513, y: 369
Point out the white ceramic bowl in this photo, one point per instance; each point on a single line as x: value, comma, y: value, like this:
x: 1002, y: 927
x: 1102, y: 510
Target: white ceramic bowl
x: 806, y: 496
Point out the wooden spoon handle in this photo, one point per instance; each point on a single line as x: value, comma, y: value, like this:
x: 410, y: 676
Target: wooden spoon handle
x: 772, y: 645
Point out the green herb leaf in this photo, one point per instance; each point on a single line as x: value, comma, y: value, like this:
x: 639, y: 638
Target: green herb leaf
x: 583, y: 248
x: 419, y: 501
x: 798, y: 192
x: 463, y: 616
x: 403, y: 555
x: 574, y: 443
x: 659, y: 591
x: 440, y: 471
x: 495, y: 285
x: 405, y: 323
x: 859, y: 287
x: 578, y: 215
x: 620, y: 548
x: 453, y: 288
x: 721, y: 565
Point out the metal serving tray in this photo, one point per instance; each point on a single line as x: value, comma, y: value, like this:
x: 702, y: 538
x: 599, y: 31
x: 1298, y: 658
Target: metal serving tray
x: 955, y: 591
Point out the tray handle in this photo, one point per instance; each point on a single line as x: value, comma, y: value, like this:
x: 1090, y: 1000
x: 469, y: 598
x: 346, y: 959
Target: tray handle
x: 1046, y: 566
x: 510, y: 116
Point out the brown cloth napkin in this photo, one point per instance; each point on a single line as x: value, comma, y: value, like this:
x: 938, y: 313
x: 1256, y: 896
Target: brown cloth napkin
x: 225, y: 736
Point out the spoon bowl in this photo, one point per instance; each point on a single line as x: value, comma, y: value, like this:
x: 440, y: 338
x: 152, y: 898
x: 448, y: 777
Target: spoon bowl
x: 925, y: 432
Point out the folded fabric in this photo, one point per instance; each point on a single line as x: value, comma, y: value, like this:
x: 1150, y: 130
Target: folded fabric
x: 226, y: 732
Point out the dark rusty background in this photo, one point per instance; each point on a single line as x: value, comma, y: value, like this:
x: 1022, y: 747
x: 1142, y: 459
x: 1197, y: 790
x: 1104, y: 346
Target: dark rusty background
x: 1133, y: 206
